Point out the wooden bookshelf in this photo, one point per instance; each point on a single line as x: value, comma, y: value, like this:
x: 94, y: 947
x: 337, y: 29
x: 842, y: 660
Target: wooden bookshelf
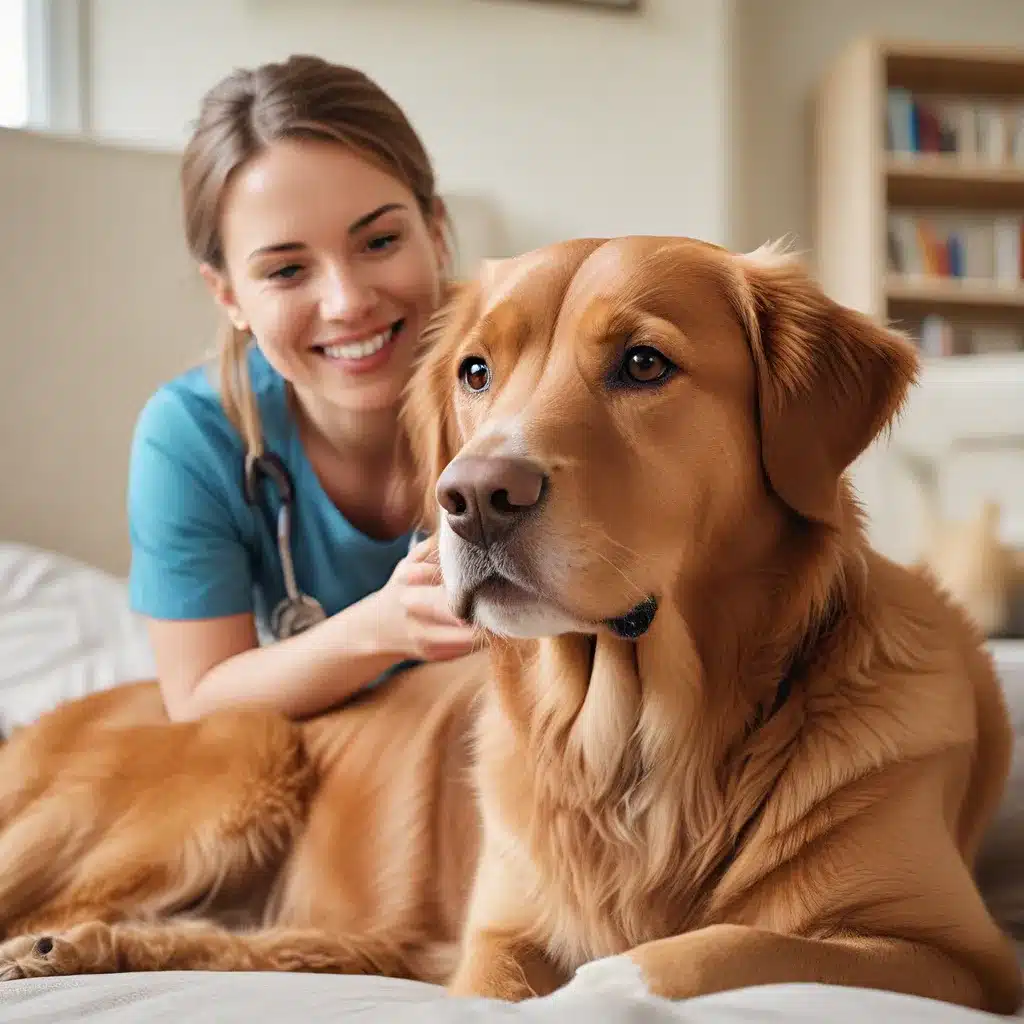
x: 861, y: 180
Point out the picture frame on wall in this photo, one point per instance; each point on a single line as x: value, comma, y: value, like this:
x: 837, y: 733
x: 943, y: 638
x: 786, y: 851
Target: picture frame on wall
x: 627, y: 6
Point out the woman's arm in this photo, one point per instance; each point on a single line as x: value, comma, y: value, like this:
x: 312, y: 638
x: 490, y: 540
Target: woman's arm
x: 216, y: 663
x: 208, y: 664
x: 191, y: 577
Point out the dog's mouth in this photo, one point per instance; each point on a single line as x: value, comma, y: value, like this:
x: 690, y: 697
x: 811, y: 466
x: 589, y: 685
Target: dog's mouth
x: 497, y: 596
x: 493, y: 589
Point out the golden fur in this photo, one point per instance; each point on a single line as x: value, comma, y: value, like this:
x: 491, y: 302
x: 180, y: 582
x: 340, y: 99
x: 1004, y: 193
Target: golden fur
x: 785, y: 778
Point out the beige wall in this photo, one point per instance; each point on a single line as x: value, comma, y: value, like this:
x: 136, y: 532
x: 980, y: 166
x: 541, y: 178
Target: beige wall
x: 100, y: 303
x: 692, y: 118
x: 572, y: 121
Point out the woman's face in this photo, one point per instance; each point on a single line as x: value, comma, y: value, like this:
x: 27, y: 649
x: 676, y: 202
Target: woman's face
x: 332, y: 266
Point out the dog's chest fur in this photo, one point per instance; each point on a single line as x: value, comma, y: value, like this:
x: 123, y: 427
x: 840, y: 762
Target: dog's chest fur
x: 595, y: 875
x: 597, y: 896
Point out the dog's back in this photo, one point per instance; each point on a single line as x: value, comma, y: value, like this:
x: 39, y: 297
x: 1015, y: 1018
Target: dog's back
x: 357, y: 821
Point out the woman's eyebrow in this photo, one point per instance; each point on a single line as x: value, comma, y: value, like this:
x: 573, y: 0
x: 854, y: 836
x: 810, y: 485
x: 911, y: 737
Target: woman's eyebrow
x: 356, y: 225
x: 370, y: 217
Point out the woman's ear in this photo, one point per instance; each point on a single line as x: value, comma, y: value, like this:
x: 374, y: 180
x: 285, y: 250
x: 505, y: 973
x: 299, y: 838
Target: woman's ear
x: 830, y: 379
x: 223, y: 294
x: 428, y: 415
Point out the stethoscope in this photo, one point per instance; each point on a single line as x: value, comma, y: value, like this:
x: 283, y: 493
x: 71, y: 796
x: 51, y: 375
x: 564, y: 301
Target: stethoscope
x: 295, y: 612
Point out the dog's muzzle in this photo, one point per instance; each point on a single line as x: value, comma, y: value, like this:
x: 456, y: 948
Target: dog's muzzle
x: 636, y: 621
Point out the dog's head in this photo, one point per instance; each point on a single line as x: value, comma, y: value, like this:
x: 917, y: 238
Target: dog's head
x: 602, y: 420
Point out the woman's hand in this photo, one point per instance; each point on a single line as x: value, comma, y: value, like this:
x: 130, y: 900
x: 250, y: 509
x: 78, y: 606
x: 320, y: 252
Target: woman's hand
x: 416, y: 612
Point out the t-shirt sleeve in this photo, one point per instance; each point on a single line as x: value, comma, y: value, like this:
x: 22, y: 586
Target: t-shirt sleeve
x: 189, y: 559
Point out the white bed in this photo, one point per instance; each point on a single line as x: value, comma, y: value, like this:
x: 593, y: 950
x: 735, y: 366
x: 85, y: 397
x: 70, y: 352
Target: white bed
x: 317, y: 999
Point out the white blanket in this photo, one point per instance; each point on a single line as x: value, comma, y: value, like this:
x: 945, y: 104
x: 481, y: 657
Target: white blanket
x: 255, y: 998
x: 317, y: 999
x: 65, y: 631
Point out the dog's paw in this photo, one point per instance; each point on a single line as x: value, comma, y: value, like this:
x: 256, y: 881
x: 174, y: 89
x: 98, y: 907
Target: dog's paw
x: 85, y: 949
x: 27, y: 956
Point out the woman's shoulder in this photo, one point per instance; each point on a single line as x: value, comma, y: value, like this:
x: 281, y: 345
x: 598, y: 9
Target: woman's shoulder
x: 187, y: 409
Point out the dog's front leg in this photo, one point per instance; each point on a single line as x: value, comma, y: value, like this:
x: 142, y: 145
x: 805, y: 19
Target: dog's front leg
x: 501, y: 956
x: 498, y: 964
x: 724, y: 957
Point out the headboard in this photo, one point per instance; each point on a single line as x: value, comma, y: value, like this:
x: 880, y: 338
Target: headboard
x: 100, y: 303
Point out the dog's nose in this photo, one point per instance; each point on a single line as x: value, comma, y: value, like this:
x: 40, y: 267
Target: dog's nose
x: 484, y: 496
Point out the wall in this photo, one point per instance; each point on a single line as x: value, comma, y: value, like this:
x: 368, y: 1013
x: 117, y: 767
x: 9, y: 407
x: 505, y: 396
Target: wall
x: 571, y: 121
x: 782, y: 48
x: 100, y: 303
x: 693, y: 118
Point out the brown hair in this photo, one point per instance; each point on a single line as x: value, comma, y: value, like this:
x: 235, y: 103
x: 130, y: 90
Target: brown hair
x: 303, y: 97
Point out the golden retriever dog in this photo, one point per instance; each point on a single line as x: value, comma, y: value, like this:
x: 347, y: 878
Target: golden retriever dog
x: 714, y: 741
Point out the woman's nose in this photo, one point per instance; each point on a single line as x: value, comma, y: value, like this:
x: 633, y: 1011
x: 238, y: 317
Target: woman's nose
x: 346, y: 295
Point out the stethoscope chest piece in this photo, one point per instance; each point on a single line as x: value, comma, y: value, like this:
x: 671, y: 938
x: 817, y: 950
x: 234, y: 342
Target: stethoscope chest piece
x: 295, y: 615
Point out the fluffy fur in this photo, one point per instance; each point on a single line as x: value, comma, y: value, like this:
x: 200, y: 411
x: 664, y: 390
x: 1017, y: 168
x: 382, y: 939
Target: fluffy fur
x: 786, y: 778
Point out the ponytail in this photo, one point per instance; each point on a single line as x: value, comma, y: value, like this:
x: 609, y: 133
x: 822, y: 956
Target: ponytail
x: 236, y: 390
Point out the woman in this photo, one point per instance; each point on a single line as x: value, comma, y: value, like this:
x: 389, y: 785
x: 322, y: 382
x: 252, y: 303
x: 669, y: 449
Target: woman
x: 310, y: 207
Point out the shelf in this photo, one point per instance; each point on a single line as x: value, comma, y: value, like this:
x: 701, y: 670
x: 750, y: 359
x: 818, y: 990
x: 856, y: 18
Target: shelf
x: 957, y: 292
x: 933, y: 179
x: 937, y: 67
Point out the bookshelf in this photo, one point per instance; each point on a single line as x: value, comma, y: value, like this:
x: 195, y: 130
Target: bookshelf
x: 919, y: 192
x: 918, y: 155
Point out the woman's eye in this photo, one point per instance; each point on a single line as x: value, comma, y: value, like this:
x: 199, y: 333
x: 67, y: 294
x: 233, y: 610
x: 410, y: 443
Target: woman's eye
x: 645, y: 365
x: 381, y: 242
x: 286, y: 273
x: 475, y: 373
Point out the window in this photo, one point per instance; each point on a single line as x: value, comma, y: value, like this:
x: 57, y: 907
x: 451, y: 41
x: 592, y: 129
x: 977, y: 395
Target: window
x: 42, y: 64
x: 14, y: 71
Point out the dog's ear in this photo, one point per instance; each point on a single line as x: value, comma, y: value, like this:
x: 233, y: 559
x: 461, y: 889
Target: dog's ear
x: 829, y: 380
x: 427, y: 416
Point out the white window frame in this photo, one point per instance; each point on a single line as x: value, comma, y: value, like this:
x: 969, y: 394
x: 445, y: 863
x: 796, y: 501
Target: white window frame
x: 58, y: 41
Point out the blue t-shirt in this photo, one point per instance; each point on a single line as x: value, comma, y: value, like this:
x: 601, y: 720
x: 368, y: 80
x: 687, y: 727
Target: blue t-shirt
x: 199, y: 550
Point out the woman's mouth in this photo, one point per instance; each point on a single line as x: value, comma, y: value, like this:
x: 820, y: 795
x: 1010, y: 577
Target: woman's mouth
x: 365, y: 354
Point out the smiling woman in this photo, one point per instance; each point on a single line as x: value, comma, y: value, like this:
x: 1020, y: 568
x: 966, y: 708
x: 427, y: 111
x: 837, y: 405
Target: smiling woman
x: 311, y: 210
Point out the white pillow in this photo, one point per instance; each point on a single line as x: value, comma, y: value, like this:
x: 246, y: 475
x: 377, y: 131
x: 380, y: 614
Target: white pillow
x: 66, y: 630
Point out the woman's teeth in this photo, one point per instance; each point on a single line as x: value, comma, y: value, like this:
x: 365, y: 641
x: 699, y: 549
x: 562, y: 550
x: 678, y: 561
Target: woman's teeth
x: 359, y: 349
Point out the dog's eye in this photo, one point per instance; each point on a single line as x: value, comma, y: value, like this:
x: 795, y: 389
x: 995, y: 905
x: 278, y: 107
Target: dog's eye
x: 475, y: 373
x: 645, y: 365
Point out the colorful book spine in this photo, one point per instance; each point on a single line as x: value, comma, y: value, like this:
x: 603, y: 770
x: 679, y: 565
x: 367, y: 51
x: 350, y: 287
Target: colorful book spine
x: 982, y: 131
x: 972, y: 247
